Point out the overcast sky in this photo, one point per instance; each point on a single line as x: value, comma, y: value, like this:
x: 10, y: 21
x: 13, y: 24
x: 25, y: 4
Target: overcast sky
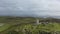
x: 30, y: 7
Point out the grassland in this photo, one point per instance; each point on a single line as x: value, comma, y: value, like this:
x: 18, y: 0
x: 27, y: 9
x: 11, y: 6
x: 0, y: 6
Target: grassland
x: 27, y: 25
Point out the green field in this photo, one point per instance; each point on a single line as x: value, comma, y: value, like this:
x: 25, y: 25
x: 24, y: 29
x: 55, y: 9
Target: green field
x: 27, y: 25
x: 4, y: 27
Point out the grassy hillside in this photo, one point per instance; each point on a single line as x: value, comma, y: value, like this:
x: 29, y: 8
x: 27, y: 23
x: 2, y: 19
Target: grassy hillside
x: 4, y: 27
x: 27, y: 25
x: 17, y: 20
x: 33, y: 29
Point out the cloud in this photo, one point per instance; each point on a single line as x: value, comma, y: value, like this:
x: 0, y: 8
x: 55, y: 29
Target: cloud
x: 30, y: 7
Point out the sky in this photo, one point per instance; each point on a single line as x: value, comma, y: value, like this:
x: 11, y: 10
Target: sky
x: 30, y: 7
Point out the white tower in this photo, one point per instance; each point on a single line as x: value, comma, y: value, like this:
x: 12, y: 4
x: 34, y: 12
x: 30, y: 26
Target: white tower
x: 37, y: 21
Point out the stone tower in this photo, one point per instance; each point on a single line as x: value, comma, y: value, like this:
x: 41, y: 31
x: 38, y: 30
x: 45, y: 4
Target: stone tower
x: 37, y: 21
